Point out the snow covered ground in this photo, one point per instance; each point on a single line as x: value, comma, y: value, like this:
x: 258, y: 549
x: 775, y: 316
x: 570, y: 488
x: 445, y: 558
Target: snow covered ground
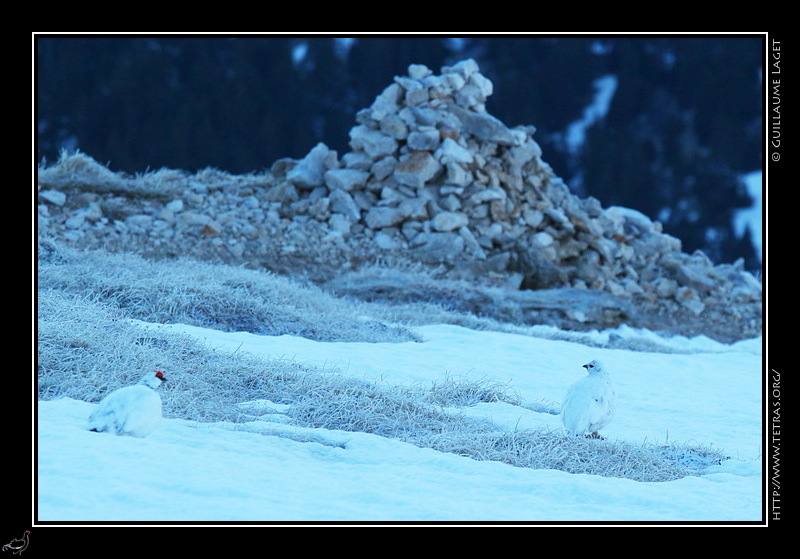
x: 752, y: 218
x: 264, y: 471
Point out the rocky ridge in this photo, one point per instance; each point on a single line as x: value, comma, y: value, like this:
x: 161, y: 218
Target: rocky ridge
x: 432, y: 179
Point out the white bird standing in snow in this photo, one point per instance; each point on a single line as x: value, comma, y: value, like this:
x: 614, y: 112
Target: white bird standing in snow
x: 133, y: 410
x: 589, y: 403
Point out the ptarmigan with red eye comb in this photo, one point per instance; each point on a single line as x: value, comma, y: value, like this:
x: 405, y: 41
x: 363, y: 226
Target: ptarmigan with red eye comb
x: 589, y: 403
x: 133, y: 410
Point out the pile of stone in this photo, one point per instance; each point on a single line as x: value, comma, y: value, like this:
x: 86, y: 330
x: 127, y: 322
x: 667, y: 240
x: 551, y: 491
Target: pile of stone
x: 433, y: 174
x: 432, y: 177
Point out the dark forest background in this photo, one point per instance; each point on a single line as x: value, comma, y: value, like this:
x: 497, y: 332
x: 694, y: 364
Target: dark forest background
x: 684, y: 125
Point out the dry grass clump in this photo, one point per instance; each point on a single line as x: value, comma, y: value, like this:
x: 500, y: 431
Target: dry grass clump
x: 551, y: 449
x: 78, y: 170
x: 202, y: 294
x: 398, y: 413
x: 87, y: 348
x: 455, y: 392
x: 353, y: 405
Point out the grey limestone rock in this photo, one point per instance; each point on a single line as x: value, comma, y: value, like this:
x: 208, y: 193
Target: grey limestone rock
x: 310, y: 171
x: 345, y: 179
x: 417, y: 169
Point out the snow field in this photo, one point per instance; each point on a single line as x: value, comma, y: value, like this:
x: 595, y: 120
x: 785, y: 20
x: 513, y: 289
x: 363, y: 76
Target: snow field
x: 697, y: 397
x: 271, y: 470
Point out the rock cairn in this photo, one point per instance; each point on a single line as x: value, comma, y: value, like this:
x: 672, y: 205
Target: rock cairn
x: 432, y: 177
x: 432, y: 173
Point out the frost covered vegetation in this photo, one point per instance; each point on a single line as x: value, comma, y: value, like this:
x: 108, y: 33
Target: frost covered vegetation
x: 89, y: 342
x: 203, y: 294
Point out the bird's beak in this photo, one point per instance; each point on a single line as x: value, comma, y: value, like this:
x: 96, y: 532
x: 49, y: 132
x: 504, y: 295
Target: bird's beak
x: 585, y: 366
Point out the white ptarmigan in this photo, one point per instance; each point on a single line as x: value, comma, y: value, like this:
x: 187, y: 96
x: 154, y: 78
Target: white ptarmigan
x: 132, y: 410
x: 589, y: 403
